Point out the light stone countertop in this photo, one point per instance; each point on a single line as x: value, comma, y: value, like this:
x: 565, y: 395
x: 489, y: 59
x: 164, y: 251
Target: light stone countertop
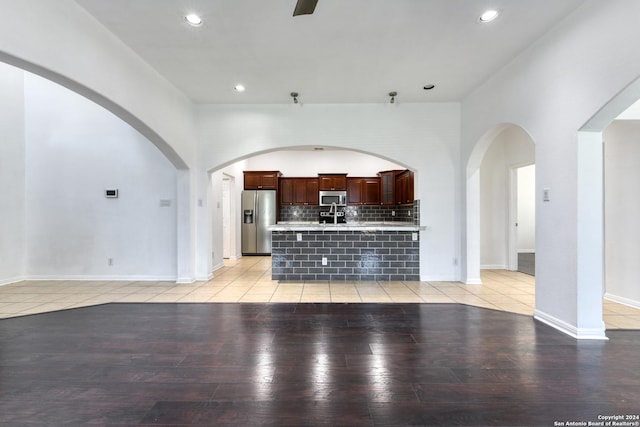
x: 350, y: 226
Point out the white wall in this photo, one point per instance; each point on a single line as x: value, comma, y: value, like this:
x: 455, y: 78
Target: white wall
x: 622, y: 211
x: 307, y: 162
x: 424, y: 137
x: 510, y: 148
x: 75, y: 150
x: 12, y: 175
x: 526, y: 217
x: 66, y: 44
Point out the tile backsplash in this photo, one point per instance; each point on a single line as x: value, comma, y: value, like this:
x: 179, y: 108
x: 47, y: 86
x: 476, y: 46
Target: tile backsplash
x: 410, y: 214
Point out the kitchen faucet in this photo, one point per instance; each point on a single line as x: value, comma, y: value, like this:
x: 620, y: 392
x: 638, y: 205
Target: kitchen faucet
x: 334, y: 209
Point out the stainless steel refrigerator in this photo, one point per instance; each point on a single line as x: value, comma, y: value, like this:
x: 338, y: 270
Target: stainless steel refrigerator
x: 258, y: 212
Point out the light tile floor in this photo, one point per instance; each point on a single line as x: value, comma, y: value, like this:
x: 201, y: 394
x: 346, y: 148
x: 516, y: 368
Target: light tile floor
x: 249, y: 280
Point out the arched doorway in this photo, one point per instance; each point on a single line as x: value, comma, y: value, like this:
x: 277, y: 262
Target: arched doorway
x: 621, y: 306
x: 492, y: 212
x: 491, y: 199
x: 302, y: 161
x: 66, y: 151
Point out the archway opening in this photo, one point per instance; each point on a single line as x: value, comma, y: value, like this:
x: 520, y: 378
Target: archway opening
x: 603, y: 228
x: 95, y: 197
x: 298, y: 162
x: 621, y: 141
x: 492, y: 214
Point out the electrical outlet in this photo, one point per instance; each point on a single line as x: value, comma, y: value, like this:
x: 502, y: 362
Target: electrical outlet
x: 299, y: 237
x: 414, y: 236
x: 393, y: 213
x: 408, y: 213
x: 324, y: 260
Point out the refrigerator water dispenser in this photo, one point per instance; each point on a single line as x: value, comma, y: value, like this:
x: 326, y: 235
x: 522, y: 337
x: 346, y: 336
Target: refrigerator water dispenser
x: 248, y: 216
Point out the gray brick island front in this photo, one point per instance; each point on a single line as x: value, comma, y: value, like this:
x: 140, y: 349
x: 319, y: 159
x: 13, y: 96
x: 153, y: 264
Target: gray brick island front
x: 378, y: 252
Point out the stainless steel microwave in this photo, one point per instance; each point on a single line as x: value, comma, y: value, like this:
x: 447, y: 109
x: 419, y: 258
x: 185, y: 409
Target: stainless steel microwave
x: 327, y: 198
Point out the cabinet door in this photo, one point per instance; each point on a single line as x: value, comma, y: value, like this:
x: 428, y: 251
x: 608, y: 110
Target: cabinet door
x: 387, y: 184
x: 332, y: 182
x: 400, y: 189
x: 261, y: 180
x: 269, y: 180
x: 300, y: 191
x: 354, y: 191
x: 370, y: 188
x: 410, y: 183
x: 340, y: 182
x: 251, y: 181
x: 286, y: 191
x: 312, y: 192
x: 404, y: 188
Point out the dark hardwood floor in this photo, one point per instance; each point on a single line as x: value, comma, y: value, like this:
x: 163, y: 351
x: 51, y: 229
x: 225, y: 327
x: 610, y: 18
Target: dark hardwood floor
x: 308, y: 364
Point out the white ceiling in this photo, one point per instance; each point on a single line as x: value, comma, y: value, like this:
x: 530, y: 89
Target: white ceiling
x: 348, y: 51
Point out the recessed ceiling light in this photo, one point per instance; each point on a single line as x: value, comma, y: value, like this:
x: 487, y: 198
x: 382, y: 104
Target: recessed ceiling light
x: 428, y: 87
x: 193, y: 19
x: 488, y: 15
x: 239, y: 88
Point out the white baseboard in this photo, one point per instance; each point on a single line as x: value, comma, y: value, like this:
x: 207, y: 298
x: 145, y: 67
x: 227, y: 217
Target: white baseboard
x: 622, y: 300
x: 210, y: 275
x: 526, y: 251
x: 9, y: 280
x: 425, y: 278
x: 115, y: 278
x: 493, y: 267
x: 572, y: 331
x: 473, y: 281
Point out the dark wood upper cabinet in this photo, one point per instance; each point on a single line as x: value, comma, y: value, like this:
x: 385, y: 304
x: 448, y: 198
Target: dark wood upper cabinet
x: 311, y: 188
x: 363, y: 191
x: 261, y: 180
x: 371, y: 191
x: 388, y: 187
x: 332, y: 182
x: 298, y: 191
x: 393, y: 187
x: 404, y: 188
x: 286, y: 191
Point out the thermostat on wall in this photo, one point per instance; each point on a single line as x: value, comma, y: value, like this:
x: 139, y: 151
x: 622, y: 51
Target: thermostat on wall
x: 111, y: 193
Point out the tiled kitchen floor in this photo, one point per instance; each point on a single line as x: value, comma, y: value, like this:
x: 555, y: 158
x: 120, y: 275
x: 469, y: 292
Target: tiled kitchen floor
x: 249, y: 280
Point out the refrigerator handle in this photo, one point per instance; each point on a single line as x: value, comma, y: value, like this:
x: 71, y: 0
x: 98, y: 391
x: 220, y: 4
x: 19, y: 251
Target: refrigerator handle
x: 256, y: 206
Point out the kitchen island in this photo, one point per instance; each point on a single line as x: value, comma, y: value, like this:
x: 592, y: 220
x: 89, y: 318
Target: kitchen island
x: 380, y: 251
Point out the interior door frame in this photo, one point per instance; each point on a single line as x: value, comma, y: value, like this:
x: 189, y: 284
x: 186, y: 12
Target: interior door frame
x: 512, y: 216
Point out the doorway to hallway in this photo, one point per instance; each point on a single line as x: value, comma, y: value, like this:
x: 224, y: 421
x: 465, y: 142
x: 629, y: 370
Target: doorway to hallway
x: 525, y: 225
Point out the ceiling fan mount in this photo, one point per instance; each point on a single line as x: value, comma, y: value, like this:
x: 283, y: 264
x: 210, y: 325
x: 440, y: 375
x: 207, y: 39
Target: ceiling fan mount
x: 305, y: 7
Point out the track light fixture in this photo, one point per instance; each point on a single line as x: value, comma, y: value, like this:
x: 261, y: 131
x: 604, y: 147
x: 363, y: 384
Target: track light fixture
x: 393, y: 96
x: 294, y: 95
